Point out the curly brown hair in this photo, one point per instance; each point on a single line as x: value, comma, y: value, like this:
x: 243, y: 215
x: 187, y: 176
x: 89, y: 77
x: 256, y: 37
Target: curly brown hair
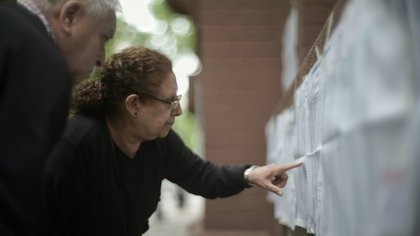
x: 134, y: 70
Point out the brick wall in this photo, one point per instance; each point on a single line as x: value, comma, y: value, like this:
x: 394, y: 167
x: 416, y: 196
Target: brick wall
x: 240, y: 48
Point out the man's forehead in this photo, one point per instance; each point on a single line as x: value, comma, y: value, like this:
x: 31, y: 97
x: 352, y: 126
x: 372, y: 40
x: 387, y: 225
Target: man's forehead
x: 171, y: 85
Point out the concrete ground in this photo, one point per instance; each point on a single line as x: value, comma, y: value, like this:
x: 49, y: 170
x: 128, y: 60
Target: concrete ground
x: 171, y: 219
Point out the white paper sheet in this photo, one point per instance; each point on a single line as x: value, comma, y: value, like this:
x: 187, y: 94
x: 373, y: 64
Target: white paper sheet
x: 359, y: 132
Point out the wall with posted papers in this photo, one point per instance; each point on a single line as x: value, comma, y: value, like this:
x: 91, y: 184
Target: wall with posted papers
x: 355, y: 123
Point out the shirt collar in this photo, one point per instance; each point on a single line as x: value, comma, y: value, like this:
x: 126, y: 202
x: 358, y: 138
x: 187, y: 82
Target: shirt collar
x: 34, y: 8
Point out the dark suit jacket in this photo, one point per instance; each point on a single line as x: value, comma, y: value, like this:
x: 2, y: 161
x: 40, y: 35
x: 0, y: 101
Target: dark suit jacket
x: 35, y: 90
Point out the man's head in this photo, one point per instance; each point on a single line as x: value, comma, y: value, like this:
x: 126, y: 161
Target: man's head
x: 81, y: 28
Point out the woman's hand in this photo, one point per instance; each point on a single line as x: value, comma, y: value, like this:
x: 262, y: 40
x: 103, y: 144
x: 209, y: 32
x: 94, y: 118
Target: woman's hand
x: 272, y: 177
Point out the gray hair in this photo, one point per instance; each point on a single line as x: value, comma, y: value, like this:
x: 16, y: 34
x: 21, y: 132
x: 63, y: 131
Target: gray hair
x: 96, y: 8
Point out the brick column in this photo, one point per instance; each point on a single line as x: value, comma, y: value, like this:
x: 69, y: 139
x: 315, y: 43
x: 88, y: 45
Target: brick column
x: 240, y: 48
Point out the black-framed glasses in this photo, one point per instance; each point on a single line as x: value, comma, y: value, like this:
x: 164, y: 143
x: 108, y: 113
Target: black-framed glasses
x: 173, y: 103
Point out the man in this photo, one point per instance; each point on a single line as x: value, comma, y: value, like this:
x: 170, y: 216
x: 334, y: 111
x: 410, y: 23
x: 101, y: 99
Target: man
x: 45, y: 46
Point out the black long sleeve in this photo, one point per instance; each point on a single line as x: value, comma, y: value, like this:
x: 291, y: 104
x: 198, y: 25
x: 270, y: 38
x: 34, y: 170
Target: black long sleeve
x: 34, y: 100
x: 199, y: 176
x: 95, y: 189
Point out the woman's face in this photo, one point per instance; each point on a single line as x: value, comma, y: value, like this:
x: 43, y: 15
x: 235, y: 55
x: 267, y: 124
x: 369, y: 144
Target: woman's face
x: 157, y: 117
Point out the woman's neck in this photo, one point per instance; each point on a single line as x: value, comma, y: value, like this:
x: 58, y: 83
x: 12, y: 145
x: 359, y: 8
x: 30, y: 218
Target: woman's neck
x: 120, y: 133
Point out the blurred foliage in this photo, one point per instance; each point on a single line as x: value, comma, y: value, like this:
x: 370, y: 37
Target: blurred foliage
x: 162, y: 11
x: 175, y: 33
x: 187, y: 127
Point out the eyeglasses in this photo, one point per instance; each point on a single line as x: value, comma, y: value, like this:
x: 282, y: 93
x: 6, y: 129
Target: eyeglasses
x: 173, y: 103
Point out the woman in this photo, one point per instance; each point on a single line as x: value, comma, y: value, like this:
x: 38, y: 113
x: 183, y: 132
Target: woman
x: 105, y: 175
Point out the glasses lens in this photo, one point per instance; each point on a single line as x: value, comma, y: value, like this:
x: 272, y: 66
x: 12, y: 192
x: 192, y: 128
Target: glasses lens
x: 175, y: 103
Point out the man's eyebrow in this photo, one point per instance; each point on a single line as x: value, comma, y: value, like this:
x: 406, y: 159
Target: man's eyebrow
x: 109, y: 35
x: 105, y: 36
x: 173, y: 96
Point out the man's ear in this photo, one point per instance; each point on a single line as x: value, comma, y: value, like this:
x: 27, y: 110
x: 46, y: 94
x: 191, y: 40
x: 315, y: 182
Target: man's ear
x: 132, y: 104
x: 70, y: 12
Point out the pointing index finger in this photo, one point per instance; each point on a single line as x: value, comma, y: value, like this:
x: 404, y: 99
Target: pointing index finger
x: 292, y: 165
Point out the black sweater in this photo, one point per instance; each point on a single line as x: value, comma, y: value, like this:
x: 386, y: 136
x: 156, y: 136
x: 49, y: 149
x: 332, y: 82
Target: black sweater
x: 35, y: 91
x: 95, y: 189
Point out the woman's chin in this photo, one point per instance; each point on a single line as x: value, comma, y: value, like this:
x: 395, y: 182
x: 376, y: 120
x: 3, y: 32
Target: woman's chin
x: 165, y: 131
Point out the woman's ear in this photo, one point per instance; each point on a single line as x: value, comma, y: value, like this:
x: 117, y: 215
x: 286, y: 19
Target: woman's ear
x: 132, y: 104
x: 69, y: 14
